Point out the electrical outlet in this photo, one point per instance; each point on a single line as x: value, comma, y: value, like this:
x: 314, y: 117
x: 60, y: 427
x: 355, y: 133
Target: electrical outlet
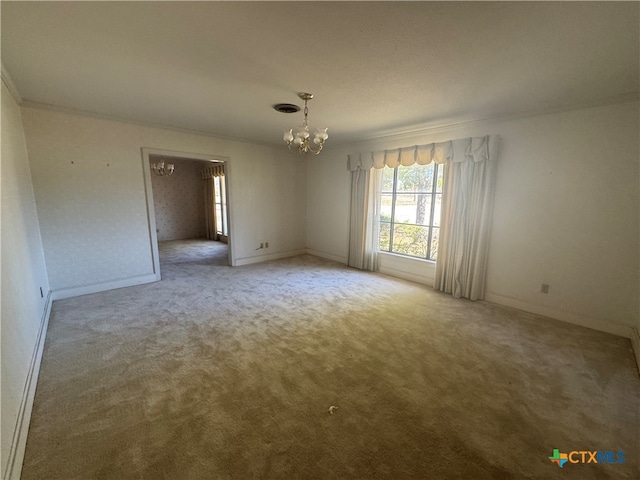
x: 261, y: 245
x: 266, y: 245
x: 544, y: 288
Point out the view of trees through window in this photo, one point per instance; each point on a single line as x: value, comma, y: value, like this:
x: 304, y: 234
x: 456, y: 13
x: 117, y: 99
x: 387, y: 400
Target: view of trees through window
x: 411, y: 200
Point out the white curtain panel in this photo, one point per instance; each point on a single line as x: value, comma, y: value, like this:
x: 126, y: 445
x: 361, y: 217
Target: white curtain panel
x: 467, y: 206
x: 364, y: 228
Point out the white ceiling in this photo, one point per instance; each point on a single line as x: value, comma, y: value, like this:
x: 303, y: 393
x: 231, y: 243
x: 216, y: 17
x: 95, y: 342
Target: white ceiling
x: 374, y: 67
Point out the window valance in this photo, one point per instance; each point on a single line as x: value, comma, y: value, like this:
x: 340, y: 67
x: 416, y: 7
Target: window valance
x: 213, y: 171
x: 477, y: 149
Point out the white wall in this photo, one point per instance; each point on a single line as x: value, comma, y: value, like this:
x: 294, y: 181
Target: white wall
x: 179, y: 202
x: 22, y: 308
x: 90, y: 194
x: 566, y: 211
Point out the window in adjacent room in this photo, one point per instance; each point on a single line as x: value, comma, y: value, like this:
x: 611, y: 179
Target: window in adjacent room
x: 221, y: 206
x: 410, y: 210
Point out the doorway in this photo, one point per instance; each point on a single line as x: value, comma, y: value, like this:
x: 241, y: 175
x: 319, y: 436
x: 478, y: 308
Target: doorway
x: 182, y: 214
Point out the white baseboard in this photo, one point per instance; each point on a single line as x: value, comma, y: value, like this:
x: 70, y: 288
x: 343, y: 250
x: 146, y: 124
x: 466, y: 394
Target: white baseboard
x: 635, y: 343
x: 102, y: 287
x: 329, y: 256
x: 19, y: 440
x: 272, y: 256
x: 582, y: 320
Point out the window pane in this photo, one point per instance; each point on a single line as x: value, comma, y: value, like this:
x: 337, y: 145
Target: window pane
x: 434, y: 243
x: 385, y: 207
x: 385, y: 236
x: 413, y: 208
x: 223, y: 193
x: 416, y: 178
x: 218, y: 218
x: 440, y: 179
x: 387, y: 179
x: 410, y: 240
x: 217, y: 185
x: 437, y: 209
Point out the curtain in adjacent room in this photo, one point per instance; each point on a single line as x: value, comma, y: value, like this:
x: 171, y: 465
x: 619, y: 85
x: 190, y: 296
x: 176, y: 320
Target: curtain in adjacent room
x: 467, y: 206
x: 208, y: 175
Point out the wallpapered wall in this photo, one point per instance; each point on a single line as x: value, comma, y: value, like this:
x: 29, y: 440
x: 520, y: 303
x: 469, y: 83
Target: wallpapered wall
x: 23, y: 275
x: 93, y: 220
x: 179, y: 202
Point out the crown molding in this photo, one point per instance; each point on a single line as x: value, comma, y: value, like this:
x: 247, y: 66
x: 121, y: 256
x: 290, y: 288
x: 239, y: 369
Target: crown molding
x: 113, y: 118
x: 435, y: 127
x: 398, y: 133
x: 6, y: 79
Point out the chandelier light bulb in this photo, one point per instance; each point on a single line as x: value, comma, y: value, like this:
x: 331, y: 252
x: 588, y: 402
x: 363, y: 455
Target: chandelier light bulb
x: 321, y: 133
x: 302, y: 132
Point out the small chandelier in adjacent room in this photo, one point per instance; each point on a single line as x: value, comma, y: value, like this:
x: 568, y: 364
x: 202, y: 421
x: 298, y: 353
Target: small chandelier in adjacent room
x: 300, y: 138
x: 162, y: 169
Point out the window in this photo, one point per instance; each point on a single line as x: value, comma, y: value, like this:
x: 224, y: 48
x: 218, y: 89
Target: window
x: 221, y: 206
x: 410, y: 201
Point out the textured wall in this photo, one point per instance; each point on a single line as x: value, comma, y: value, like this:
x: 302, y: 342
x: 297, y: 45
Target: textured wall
x: 566, y: 209
x: 89, y: 186
x: 179, y: 202
x: 23, y: 269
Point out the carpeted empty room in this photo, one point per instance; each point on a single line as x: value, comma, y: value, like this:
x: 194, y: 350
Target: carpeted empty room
x: 304, y: 368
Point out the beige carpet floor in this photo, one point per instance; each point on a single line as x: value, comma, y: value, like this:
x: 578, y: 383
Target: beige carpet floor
x: 229, y: 373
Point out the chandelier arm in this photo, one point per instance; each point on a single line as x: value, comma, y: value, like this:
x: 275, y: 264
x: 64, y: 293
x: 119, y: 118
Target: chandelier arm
x: 309, y: 148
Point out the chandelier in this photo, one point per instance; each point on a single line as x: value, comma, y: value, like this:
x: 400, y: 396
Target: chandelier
x: 161, y: 169
x: 301, y: 137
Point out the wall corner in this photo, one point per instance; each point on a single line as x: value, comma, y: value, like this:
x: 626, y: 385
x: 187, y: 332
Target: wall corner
x: 635, y: 343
